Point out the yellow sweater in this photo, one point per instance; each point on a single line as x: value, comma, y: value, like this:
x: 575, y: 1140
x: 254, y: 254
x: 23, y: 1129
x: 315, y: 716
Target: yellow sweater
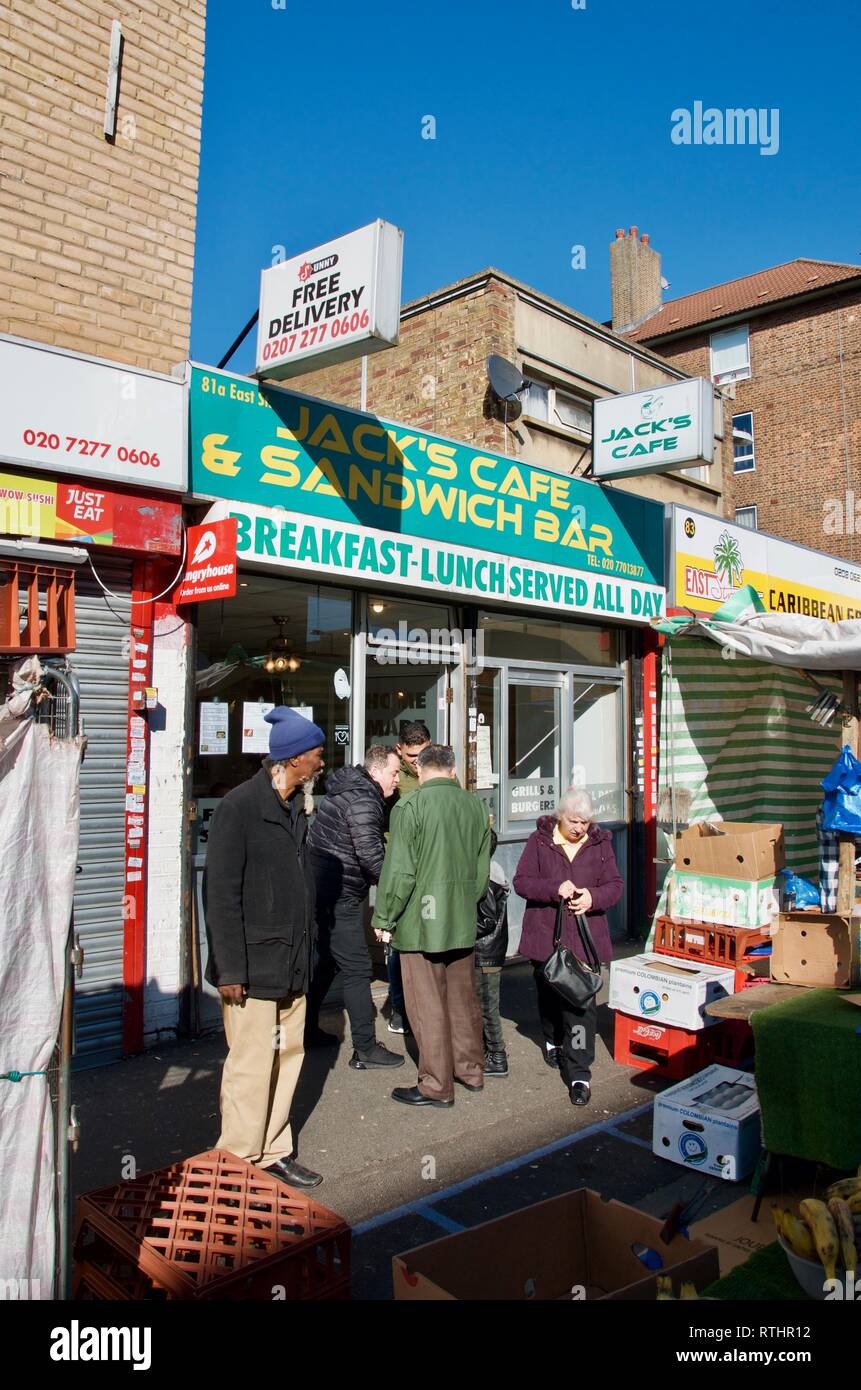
x: 571, y: 847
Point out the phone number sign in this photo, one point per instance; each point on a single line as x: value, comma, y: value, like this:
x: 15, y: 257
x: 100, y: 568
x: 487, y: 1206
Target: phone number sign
x: 69, y: 414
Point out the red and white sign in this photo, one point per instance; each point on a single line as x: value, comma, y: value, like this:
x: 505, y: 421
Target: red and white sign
x: 341, y: 300
x: 210, y: 567
x: 80, y: 415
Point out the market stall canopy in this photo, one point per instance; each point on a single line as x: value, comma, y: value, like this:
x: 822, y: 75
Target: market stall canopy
x: 743, y: 626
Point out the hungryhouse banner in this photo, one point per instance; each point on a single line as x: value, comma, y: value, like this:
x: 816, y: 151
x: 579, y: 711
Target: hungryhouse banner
x: 431, y: 509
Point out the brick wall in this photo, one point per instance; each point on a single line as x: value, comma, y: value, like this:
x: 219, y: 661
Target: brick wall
x: 435, y: 378
x: 806, y: 403
x: 97, y: 239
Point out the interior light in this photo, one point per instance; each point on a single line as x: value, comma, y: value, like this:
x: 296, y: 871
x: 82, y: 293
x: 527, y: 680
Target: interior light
x: 378, y: 607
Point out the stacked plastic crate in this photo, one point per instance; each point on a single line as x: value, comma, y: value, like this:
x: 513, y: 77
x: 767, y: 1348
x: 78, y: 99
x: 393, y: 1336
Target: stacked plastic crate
x: 723, y: 900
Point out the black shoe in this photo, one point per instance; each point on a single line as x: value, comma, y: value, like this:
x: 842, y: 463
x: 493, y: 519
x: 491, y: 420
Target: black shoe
x: 581, y: 1093
x: 468, y: 1086
x: 552, y: 1055
x: 319, y: 1038
x: 378, y: 1056
x: 398, y: 1024
x: 291, y: 1172
x: 496, y: 1064
x: 411, y: 1095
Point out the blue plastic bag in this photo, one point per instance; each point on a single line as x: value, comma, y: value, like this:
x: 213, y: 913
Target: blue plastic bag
x: 841, y: 807
x: 801, y: 889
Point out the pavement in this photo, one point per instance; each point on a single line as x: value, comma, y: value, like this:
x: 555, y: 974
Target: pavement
x: 402, y: 1177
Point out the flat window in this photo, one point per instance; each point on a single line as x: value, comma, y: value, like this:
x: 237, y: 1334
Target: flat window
x: 746, y: 516
x: 534, y: 639
x: 730, y: 355
x: 742, y: 443
x: 557, y: 407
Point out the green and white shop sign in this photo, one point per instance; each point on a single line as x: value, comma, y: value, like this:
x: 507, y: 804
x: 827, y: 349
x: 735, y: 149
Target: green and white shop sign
x: 333, y: 491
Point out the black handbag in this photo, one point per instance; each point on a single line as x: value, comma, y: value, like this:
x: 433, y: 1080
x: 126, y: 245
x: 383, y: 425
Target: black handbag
x: 575, y: 980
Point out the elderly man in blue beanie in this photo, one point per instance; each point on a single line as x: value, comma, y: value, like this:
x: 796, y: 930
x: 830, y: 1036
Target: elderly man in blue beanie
x: 259, y: 905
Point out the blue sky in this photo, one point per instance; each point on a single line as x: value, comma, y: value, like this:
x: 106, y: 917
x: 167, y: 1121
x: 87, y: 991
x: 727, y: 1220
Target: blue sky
x: 553, y: 128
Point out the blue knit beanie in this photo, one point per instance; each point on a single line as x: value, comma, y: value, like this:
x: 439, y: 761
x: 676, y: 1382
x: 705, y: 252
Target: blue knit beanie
x: 292, y: 733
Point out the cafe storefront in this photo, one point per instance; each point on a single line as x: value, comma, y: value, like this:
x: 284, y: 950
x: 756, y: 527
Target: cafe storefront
x: 386, y: 575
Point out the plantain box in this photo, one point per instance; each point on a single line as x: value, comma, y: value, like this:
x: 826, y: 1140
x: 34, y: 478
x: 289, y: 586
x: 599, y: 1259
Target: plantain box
x: 574, y: 1247
x: 730, y: 849
x: 817, y: 950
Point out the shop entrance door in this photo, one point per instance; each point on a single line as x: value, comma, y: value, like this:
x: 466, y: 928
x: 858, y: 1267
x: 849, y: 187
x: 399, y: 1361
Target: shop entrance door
x: 399, y: 694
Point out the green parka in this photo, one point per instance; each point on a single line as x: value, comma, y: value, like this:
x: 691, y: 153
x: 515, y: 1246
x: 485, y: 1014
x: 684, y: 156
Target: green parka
x: 436, y: 869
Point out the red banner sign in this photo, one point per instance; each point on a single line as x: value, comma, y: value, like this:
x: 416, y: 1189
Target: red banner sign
x: 210, y: 566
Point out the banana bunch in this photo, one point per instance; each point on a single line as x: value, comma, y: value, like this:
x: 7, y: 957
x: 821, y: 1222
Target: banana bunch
x: 825, y: 1231
x: 687, y: 1292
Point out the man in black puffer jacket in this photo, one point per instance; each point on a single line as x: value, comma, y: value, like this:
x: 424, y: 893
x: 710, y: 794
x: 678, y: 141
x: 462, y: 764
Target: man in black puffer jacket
x: 347, y: 850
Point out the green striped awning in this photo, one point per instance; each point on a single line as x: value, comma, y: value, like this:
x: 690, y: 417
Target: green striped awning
x: 735, y: 734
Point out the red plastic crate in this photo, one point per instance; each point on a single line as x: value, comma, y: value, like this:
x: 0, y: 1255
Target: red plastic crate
x: 209, y: 1227
x: 678, y: 1053
x: 704, y: 941
x: 672, y: 1052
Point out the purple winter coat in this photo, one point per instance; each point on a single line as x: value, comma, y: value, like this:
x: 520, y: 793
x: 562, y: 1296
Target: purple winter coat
x: 543, y: 867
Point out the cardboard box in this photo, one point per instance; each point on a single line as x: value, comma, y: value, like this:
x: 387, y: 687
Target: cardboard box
x: 575, y: 1242
x: 668, y: 989
x: 710, y: 1122
x: 730, y: 902
x: 730, y: 849
x: 818, y: 950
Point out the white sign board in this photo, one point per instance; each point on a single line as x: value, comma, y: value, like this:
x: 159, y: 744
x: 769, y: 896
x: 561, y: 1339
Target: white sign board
x: 278, y: 539
x: 712, y: 558
x: 339, y: 301
x: 70, y: 414
x: 214, y: 728
x: 654, y: 431
x: 255, y: 730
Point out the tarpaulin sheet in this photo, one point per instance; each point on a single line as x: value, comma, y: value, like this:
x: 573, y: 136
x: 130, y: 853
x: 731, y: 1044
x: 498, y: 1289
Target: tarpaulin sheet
x: 39, y: 826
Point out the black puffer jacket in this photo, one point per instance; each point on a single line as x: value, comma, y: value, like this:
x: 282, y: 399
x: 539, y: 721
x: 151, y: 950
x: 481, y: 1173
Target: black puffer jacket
x: 346, y: 838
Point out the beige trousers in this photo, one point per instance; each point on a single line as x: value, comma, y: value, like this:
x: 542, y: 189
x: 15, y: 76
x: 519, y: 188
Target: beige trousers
x: 265, y: 1038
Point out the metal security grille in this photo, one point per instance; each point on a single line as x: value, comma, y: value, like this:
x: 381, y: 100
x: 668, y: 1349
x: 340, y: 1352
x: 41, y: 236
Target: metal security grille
x: 101, y: 663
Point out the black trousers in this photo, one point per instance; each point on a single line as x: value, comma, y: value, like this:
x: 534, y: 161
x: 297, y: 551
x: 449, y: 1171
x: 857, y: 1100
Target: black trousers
x: 341, y: 946
x: 571, y: 1030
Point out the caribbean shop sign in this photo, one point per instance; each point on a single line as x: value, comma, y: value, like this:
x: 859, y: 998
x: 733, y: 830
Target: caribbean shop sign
x: 339, y: 301
x: 712, y: 559
x: 442, y: 508
x: 654, y: 431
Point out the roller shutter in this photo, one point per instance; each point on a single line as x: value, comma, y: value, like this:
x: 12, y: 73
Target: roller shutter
x: 101, y: 663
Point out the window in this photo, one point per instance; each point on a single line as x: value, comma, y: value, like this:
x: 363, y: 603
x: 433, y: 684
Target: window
x: 730, y: 354
x: 742, y: 443
x: 746, y: 516
x: 547, y: 403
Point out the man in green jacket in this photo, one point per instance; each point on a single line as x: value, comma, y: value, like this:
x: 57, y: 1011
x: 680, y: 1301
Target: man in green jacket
x: 436, y: 869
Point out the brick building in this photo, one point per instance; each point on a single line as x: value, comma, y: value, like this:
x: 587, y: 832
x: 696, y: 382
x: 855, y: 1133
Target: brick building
x: 436, y: 379
x: 98, y: 204
x: 784, y: 345
x: 96, y: 231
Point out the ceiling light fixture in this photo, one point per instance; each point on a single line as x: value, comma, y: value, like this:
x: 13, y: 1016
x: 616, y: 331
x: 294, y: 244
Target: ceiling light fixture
x: 280, y: 657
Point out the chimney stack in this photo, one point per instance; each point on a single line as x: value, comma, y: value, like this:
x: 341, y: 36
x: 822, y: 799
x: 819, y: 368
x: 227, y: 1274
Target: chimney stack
x: 635, y: 278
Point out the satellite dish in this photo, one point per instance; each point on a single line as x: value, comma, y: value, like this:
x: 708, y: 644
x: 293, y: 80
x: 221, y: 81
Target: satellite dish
x: 506, y: 383
x: 506, y: 379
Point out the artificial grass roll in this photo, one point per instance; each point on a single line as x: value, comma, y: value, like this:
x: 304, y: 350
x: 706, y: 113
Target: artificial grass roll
x: 808, y: 1076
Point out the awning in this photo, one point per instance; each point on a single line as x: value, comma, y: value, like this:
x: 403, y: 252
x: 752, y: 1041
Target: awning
x: 743, y: 627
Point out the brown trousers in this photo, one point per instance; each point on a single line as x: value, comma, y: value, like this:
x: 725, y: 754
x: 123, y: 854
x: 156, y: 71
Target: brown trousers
x: 445, y: 1017
x: 265, y: 1037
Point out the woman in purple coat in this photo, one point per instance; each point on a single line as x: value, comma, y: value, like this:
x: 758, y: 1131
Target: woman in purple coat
x: 567, y: 857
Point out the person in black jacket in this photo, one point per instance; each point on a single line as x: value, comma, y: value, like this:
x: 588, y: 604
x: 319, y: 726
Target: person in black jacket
x: 347, y: 850
x: 258, y: 895
x: 491, y: 948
